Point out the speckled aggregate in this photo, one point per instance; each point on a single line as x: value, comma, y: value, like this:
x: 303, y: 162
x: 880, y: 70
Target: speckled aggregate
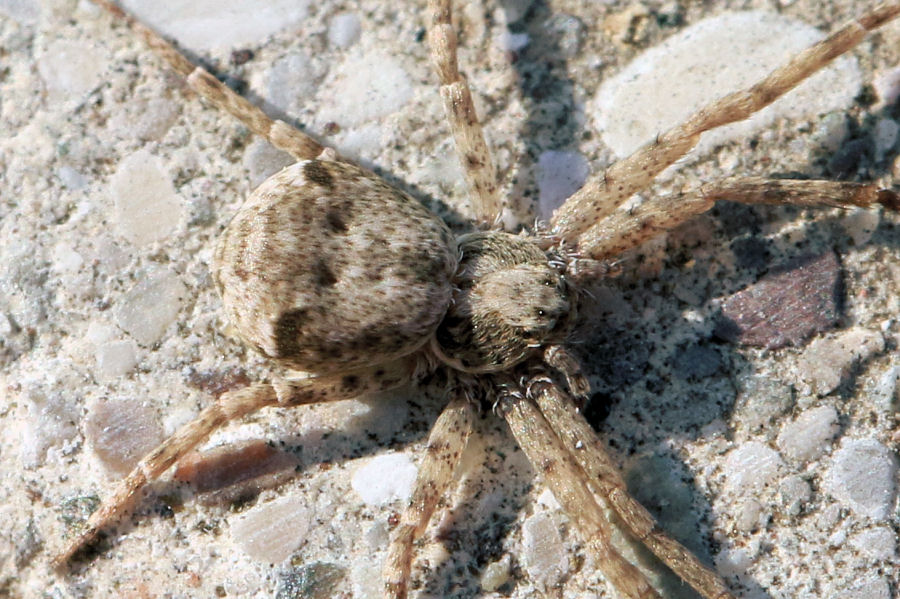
x: 57, y: 193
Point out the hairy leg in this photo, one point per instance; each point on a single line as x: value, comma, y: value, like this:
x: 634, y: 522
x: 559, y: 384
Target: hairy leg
x: 605, y: 480
x: 555, y: 464
x: 278, y: 133
x: 446, y: 443
x: 229, y: 406
x: 623, y: 230
x: 602, y: 193
x: 468, y: 135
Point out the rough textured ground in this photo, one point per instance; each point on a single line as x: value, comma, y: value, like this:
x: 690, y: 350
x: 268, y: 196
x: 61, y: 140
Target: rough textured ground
x: 778, y: 466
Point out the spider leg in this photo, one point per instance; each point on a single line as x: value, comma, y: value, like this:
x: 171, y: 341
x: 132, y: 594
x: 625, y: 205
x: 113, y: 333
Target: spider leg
x: 604, y: 479
x: 468, y: 135
x: 561, y: 360
x: 566, y: 480
x: 623, y: 230
x: 229, y: 406
x: 605, y: 191
x: 446, y: 443
x: 278, y: 133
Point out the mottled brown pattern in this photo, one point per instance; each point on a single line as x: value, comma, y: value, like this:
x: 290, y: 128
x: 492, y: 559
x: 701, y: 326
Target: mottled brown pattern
x: 308, y: 275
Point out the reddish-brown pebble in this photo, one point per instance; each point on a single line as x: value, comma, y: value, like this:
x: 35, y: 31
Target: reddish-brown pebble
x: 236, y: 469
x: 785, y: 307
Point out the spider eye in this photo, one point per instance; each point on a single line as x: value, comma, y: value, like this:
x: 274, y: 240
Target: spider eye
x: 541, y: 313
x: 548, y: 282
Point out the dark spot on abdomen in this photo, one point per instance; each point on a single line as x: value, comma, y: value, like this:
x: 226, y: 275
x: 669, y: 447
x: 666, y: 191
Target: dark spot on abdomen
x: 323, y: 276
x: 287, y: 332
x: 336, y: 218
x: 316, y: 172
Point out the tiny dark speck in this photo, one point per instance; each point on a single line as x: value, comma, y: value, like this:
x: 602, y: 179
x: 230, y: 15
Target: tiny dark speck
x: 240, y: 57
x: 350, y: 382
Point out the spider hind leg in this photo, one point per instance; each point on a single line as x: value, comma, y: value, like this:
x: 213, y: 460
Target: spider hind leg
x: 446, y: 443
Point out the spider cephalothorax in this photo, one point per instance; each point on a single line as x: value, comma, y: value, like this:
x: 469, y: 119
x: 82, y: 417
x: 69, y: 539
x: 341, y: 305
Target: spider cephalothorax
x: 511, y: 298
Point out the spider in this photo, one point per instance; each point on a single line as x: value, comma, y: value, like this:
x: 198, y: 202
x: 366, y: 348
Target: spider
x: 367, y: 291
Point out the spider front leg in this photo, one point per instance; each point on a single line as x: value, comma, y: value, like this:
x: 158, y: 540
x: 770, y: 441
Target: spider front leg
x: 623, y: 230
x: 567, y: 481
x: 468, y: 135
x: 601, y: 195
x: 605, y: 480
x: 278, y: 133
x: 446, y: 443
x: 229, y: 406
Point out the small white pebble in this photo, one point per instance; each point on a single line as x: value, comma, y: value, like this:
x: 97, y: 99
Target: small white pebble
x: 377, y: 535
x: 886, y: 390
x: 809, y: 434
x: 831, y: 131
x: 878, y: 543
x: 271, y: 532
x: 70, y: 69
x: 145, y: 119
x: 733, y: 562
x: 263, y: 160
x: 344, y: 30
x: 512, y: 42
x: 50, y: 421
x: 547, y: 500
x: 545, y: 556
x: 291, y: 81
x: 749, y: 515
x: 71, y: 178
x: 360, y: 142
x: 750, y: 467
x: 496, y: 574
x: 7, y: 326
x: 99, y: 332
x: 366, y: 581
x: 559, y: 175
x: 667, y: 83
x: 25, y: 12
x: 868, y: 586
x: 887, y: 87
x: 827, y: 360
x: 147, y: 309
x: 121, y: 432
x: 116, y: 358
x: 351, y: 96
x: 385, y: 478
x: 211, y: 24
x: 860, y: 224
x: 145, y: 206
x: 795, y: 493
x: 65, y: 258
x: 863, y: 477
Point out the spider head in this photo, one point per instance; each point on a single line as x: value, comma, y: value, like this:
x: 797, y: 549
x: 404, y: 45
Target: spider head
x: 510, y: 300
x: 529, y: 298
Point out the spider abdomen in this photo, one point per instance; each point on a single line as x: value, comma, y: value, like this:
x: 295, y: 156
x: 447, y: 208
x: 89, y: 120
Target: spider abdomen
x: 325, y: 267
